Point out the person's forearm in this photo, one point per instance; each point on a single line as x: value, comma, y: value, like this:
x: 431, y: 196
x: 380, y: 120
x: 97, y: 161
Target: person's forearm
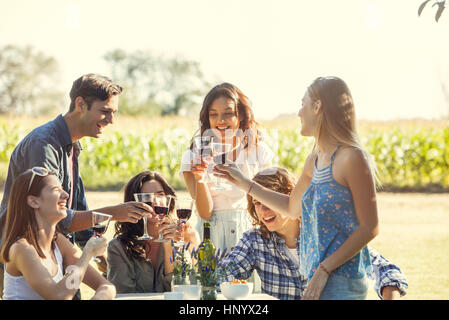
x: 276, y: 201
x: 203, y: 201
x: 391, y: 293
x: 354, y: 243
x: 105, y: 292
x: 69, y: 284
x: 82, y: 220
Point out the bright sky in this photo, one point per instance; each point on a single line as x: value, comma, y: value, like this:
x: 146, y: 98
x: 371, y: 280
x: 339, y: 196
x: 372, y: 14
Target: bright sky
x: 391, y: 59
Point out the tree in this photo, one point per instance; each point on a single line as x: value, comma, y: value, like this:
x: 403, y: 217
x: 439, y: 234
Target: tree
x: 441, y: 6
x: 156, y: 84
x: 27, y: 81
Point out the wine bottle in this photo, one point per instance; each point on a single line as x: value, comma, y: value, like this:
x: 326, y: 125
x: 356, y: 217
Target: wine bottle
x: 206, y: 250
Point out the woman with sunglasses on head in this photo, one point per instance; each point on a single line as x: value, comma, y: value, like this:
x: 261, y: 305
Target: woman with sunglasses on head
x: 335, y: 196
x: 40, y: 263
x: 272, y: 248
x: 226, y: 116
x: 138, y: 266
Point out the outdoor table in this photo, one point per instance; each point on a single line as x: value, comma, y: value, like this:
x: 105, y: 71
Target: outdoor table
x: 160, y: 296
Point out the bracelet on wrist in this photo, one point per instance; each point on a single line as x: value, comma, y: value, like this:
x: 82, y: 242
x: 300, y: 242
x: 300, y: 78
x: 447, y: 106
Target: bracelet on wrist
x: 325, y: 269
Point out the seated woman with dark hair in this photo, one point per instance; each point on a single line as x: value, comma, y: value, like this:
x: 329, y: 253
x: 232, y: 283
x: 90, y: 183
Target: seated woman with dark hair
x: 272, y: 248
x: 35, y: 254
x: 137, y: 266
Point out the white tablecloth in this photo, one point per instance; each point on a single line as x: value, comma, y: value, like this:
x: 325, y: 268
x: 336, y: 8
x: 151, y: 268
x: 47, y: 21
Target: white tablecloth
x: 160, y: 296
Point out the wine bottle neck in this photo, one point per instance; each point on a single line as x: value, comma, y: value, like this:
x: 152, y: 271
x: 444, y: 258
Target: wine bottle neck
x: 206, y: 234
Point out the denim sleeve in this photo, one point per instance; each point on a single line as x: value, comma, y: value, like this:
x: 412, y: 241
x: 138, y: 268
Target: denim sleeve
x: 387, y: 274
x: 35, y: 153
x: 41, y: 153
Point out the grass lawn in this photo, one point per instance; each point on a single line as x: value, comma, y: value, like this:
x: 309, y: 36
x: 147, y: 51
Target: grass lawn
x: 414, y: 234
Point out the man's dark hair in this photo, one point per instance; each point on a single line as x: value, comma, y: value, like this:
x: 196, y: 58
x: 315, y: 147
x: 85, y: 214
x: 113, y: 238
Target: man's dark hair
x: 92, y: 87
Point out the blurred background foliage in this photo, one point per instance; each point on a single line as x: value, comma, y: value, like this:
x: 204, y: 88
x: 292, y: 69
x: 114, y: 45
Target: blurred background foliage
x: 410, y: 155
x: 154, y: 84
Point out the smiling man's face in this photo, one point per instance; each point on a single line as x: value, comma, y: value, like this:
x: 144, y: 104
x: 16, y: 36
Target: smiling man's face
x: 100, y: 114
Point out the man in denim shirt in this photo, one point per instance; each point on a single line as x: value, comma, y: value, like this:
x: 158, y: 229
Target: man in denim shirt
x: 55, y: 146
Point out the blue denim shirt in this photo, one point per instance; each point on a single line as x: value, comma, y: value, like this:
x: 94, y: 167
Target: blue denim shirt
x: 49, y: 146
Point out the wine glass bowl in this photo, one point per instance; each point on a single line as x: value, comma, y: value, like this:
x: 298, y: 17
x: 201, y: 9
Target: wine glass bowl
x: 100, y: 223
x: 184, y: 207
x: 147, y: 198
x: 220, y: 152
x: 162, y: 206
x: 202, y: 149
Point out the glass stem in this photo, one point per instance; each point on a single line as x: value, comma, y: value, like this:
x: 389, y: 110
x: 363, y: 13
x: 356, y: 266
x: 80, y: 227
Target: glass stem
x: 145, y: 230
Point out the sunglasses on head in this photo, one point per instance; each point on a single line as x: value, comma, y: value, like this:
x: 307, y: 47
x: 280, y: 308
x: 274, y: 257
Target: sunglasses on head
x: 40, y: 171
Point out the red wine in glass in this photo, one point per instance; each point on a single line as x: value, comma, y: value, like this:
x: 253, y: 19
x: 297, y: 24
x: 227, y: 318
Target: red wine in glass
x: 184, y: 214
x: 161, y: 211
x: 99, y: 229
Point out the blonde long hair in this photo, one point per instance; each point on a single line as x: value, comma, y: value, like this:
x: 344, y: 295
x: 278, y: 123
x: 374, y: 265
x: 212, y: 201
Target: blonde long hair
x: 337, y: 119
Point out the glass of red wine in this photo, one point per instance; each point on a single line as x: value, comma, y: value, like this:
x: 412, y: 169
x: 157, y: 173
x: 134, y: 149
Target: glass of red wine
x: 100, y: 223
x: 184, y: 207
x: 203, y: 150
x: 220, y: 152
x: 161, y: 206
x: 147, y: 198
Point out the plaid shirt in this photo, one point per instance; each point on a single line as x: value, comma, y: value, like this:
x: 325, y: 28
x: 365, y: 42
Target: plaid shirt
x: 280, y: 275
x: 386, y: 274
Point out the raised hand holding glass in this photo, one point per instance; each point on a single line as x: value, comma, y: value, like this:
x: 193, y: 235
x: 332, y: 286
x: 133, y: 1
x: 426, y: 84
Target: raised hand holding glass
x: 184, y: 207
x: 148, y: 199
x: 202, y: 150
x: 100, y: 223
x: 161, y: 206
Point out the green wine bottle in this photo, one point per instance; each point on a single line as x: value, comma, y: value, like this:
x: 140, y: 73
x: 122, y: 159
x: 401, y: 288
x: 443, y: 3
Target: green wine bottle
x: 206, y: 250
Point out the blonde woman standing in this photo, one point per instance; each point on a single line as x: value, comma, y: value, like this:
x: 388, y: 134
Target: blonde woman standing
x: 335, y: 196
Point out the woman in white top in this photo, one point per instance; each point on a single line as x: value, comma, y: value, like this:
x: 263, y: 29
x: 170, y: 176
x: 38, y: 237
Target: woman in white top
x: 226, y: 114
x: 35, y: 254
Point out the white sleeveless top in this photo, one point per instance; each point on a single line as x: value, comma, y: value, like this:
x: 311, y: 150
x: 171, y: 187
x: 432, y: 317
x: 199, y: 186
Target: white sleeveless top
x: 17, y: 288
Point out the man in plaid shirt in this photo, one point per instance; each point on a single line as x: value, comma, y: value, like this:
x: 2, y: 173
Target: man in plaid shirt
x: 272, y: 248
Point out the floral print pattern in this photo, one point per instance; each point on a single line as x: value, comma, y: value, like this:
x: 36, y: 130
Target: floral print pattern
x: 328, y: 219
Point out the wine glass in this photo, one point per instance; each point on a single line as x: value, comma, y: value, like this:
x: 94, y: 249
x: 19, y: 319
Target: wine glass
x: 161, y: 206
x: 148, y: 199
x: 100, y: 223
x: 219, y: 152
x: 184, y: 207
x: 203, y: 149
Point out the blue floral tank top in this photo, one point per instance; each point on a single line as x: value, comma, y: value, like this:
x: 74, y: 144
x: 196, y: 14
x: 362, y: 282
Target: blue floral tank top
x: 328, y: 219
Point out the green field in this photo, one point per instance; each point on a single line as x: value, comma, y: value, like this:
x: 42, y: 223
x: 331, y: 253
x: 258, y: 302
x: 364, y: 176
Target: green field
x: 410, y: 155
